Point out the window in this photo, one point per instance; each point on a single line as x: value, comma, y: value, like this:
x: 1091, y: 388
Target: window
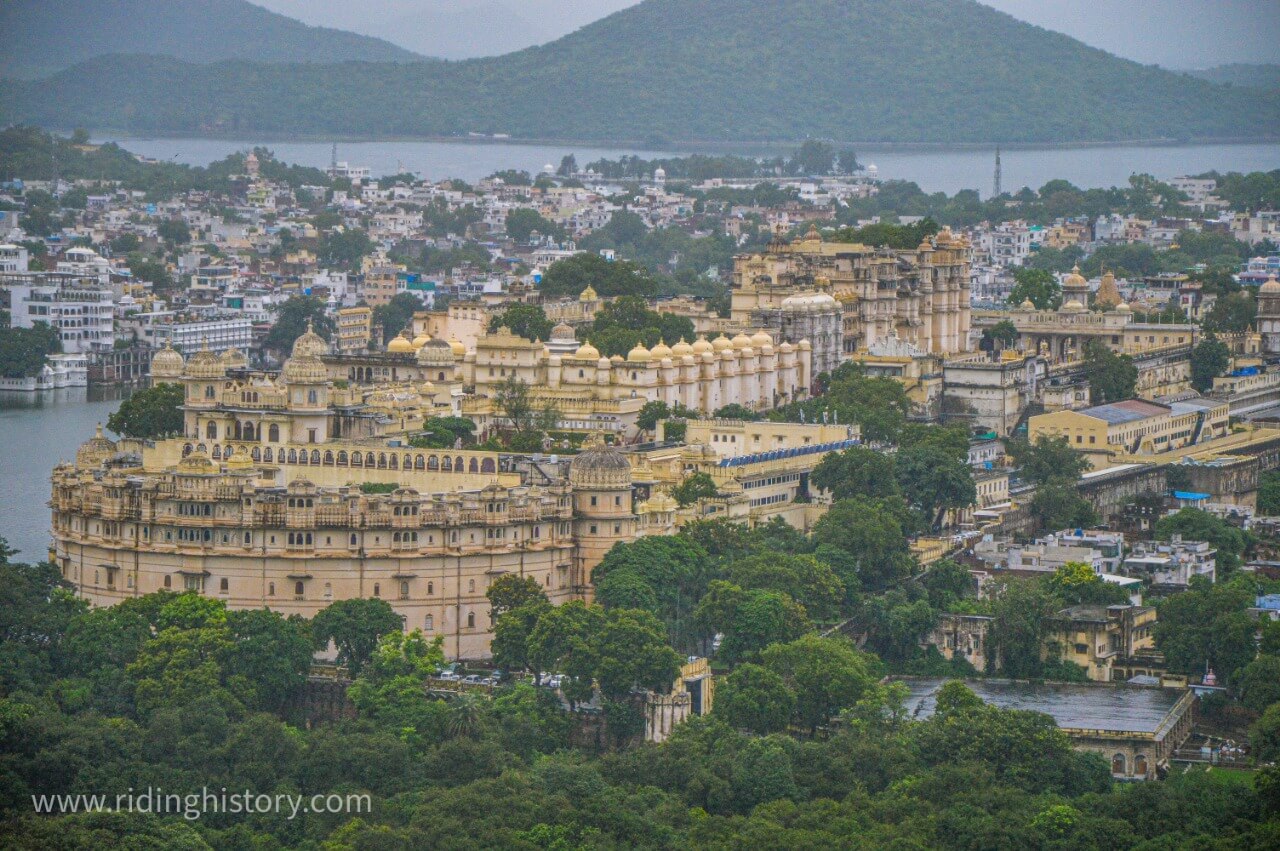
x: 471, y: 586
x: 431, y: 588
x: 429, y: 623
x: 168, y: 582
x: 211, y: 431
x: 377, y: 589
x: 271, y: 589
x: 223, y: 585
x: 404, y: 589
x: 593, y: 501
x: 471, y: 620
x: 273, y: 434
x: 1118, y: 764
x: 298, y: 589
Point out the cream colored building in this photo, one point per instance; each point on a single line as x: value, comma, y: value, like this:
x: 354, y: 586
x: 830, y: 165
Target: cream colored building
x: 355, y: 329
x: 292, y: 491
x: 1134, y: 427
x: 919, y: 296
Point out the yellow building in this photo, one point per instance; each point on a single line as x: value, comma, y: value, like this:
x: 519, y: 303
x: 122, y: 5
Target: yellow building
x: 355, y: 329
x: 1134, y: 427
x: 1097, y: 638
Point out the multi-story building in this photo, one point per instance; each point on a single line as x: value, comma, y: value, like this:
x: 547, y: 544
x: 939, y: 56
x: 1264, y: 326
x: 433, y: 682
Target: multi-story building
x: 81, y: 309
x: 1098, y: 637
x: 13, y: 258
x: 355, y: 329
x: 218, y: 335
x: 1170, y: 565
x: 1134, y: 427
x: 291, y: 492
x: 919, y: 296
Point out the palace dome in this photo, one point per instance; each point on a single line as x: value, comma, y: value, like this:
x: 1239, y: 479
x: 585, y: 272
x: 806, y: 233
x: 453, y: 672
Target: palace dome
x: 661, y: 351
x: 1073, y: 306
x: 681, y: 349
x: 234, y: 359
x: 310, y: 344
x: 400, y: 345
x: 701, y: 346
x: 304, y: 370
x: 1027, y: 304
x: 436, y: 352
x: 587, y: 352
x: 600, y: 465
x: 741, y: 341
x: 589, y: 294
x: 1123, y: 307
x: 760, y: 339
x: 1075, y: 279
x: 721, y: 343
x: 1271, y: 287
x: 563, y: 332
x: 421, y: 340
x: 167, y: 363
x: 205, y: 364
x: 455, y: 345
x: 638, y: 355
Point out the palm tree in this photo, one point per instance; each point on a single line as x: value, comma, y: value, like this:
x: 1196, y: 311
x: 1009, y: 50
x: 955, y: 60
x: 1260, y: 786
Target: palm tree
x: 465, y: 716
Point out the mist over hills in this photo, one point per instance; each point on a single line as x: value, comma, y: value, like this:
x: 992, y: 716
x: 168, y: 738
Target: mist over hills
x: 39, y: 37
x: 670, y: 71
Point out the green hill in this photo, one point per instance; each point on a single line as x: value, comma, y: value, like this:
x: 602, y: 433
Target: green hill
x: 935, y: 71
x: 42, y: 37
x: 1242, y: 74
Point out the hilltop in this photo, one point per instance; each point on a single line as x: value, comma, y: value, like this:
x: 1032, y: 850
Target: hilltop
x: 1245, y: 75
x: 38, y: 38
x: 667, y: 71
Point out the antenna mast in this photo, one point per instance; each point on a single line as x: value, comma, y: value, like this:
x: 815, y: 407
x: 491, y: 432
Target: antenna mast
x: 996, y: 188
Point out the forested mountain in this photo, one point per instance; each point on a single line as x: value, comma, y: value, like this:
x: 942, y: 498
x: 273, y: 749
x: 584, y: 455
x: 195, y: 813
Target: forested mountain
x: 940, y: 71
x: 42, y: 36
x: 1243, y: 74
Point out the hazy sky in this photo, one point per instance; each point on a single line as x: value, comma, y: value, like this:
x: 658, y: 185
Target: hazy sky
x: 1172, y: 33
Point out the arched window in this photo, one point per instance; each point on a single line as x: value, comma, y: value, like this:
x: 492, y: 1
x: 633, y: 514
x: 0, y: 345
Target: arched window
x: 382, y: 460
x: 268, y: 455
x: 431, y: 588
x: 297, y: 588
x: 328, y: 591
x: 342, y: 458
x: 311, y: 397
x: 1118, y: 764
x: 208, y: 391
x: 211, y: 431
x: 223, y: 585
x: 404, y: 589
x: 328, y: 458
x: 429, y: 623
x: 377, y: 589
x: 487, y: 466
x: 356, y: 460
x: 457, y: 464
x: 433, y: 463
x: 471, y: 620
x: 353, y: 539
x: 419, y: 463
x: 293, y: 456
x: 236, y: 432
x: 256, y: 454
x: 473, y: 466
x: 273, y: 433
x: 395, y: 538
x: 395, y: 462
x: 447, y: 464
x: 302, y: 456
x: 315, y: 457
x: 1140, y: 765
x: 217, y: 452
x: 471, y: 586
x: 408, y: 462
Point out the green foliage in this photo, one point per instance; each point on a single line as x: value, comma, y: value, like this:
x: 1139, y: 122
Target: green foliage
x: 1196, y: 525
x: 695, y: 487
x: 150, y: 414
x: 750, y: 619
x: 871, y: 533
x: 510, y: 591
x: 827, y: 676
x: 1269, y: 493
x: 345, y: 247
x: 1232, y: 314
x: 906, y: 237
x: 524, y: 221
x: 756, y: 699
x: 1259, y: 683
x: 1050, y: 459
x: 569, y: 277
x: 735, y: 411
x: 803, y: 578
x: 1207, y: 625
x: 1209, y: 359
x: 933, y: 480
x: 523, y: 320
x: 396, y: 315
x: 25, y: 351
x: 879, y: 405
x: 858, y: 471
x: 1112, y: 377
x: 1041, y: 287
x: 444, y: 433
x: 354, y: 627
x: 1057, y: 504
x: 291, y: 322
x: 676, y: 571
x: 627, y: 321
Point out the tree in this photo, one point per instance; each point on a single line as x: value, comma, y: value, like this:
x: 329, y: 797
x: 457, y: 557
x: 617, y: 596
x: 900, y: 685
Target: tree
x: 858, y: 471
x: 569, y: 277
x: 1196, y: 525
x: 1036, y: 285
x: 524, y: 419
x: 1269, y: 493
x: 511, y: 632
x: 813, y: 158
x: 1206, y: 626
x: 999, y: 336
x: 150, y: 414
x: 344, y: 248
x: 871, y: 532
x: 174, y: 231
x: 396, y: 315
x: 1111, y: 377
x: 1232, y: 314
x: 25, y: 351
x: 756, y: 699
x: 1050, y: 459
x: 522, y: 222
x: 1057, y: 505
x: 676, y: 571
x: 848, y: 161
x: 510, y: 591
x: 271, y: 652
x: 827, y: 675
x: 524, y: 320
x: 1209, y: 359
x: 1259, y: 683
x: 806, y: 580
x: 292, y: 318
x: 632, y: 652
x: 695, y: 487
x: 932, y: 480
x: 1020, y: 616
x: 1264, y: 735
x: 750, y: 620
x: 736, y: 412
x: 444, y: 433
x: 354, y: 626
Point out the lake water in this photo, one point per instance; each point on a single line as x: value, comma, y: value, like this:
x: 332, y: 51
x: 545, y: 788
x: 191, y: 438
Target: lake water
x: 38, y: 430
x: 934, y: 170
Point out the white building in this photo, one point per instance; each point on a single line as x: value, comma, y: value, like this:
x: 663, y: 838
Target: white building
x: 13, y: 258
x: 1197, y: 189
x: 1171, y: 563
x: 234, y: 332
x: 81, y: 309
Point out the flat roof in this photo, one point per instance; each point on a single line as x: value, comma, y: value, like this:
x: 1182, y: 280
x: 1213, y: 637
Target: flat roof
x: 1105, y: 707
x: 1127, y: 411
